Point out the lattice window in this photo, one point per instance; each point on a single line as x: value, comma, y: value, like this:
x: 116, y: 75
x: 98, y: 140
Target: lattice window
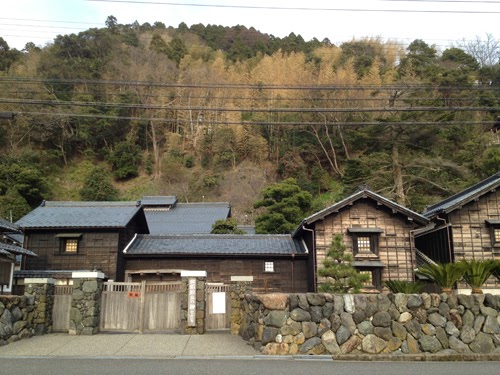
x: 364, y: 245
x: 496, y: 235
x: 70, y: 246
x: 268, y: 266
x: 369, y: 281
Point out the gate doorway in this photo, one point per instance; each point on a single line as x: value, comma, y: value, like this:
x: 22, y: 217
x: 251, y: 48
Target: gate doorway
x: 218, y: 299
x: 61, y: 308
x: 140, y: 307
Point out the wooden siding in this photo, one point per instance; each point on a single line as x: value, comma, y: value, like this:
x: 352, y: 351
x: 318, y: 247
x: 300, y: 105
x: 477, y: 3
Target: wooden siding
x: 97, y: 249
x: 220, y: 270
x: 471, y: 234
x: 394, y: 247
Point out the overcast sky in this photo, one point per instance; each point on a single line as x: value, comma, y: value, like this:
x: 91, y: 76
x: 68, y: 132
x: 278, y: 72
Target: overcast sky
x: 439, y: 22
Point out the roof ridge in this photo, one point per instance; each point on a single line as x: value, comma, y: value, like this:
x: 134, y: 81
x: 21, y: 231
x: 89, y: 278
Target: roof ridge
x: 464, y: 193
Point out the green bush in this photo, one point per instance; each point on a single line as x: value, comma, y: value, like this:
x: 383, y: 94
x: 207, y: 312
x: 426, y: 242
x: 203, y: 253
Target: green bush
x: 476, y: 272
x: 403, y: 286
x: 445, y: 275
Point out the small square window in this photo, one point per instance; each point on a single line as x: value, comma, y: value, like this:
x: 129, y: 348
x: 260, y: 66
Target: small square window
x: 496, y: 235
x: 369, y: 281
x: 364, y: 244
x: 269, y: 267
x: 70, y: 246
x: 374, y: 277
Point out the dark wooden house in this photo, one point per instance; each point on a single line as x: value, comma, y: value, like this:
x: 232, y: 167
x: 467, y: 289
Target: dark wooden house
x: 466, y: 226
x: 11, y: 254
x: 74, y: 236
x: 376, y: 231
x: 277, y: 263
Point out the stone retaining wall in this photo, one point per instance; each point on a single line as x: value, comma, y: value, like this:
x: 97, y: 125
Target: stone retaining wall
x: 284, y: 324
x: 16, y: 318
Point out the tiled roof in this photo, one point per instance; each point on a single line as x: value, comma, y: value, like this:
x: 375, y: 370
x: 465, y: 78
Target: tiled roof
x: 13, y: 249
x: 187, y: 218
x: 213, y: 244
x: 464, y: 197
x: 80, y: 215
x: 363, y: 194
x: 7, y: 226
x: 54, y: 274
x: 165, y: 200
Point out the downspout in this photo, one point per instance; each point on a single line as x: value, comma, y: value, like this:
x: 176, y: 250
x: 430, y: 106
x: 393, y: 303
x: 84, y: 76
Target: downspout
x: 314, y: 257
x: 293, y: 278
x: 412, y: 250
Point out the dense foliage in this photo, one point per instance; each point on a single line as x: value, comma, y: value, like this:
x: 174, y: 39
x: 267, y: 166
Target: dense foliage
x: 286, y: 205
x: 338, y: 270
x: 184, y: 107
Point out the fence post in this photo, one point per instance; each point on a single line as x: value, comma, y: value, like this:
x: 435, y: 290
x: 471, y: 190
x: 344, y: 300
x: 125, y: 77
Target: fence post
x: 193, y: 302
x: 85, y: 303
x: 142, y: 306
x: 240, y: 285
x: 42, y: 290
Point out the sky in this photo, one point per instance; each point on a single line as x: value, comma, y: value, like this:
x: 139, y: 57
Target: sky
x: 438, y: 22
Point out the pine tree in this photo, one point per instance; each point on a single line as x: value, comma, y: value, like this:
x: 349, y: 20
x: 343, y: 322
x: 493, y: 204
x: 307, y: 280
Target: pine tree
x: 341, y: 276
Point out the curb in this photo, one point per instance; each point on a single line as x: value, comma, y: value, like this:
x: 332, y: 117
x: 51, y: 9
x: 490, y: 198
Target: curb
x: 419, y: 357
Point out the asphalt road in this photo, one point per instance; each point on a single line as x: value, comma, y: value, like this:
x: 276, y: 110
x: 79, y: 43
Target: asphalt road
x: 231, y: 366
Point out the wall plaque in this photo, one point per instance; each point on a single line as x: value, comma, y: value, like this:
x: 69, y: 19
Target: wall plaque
x: 192, y: 302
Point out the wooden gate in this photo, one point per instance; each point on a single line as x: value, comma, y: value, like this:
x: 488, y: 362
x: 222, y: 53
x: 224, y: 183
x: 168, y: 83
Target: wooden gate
x: 139, y: 307
x: 61, y: 308
x: 218, y: 299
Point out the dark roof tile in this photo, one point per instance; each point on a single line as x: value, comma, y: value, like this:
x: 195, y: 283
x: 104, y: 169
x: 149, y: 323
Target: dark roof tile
x: 213, y: 244
x: 80, y: 215
x: 464, y: 197
x: 187, y: 218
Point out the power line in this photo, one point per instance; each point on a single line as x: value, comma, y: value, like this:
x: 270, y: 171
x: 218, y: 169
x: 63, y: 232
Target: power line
x: 255, y: 123
x: 298, y: 8
x: 257, y: 99
x: 238, y: 86
x: 250, y: 109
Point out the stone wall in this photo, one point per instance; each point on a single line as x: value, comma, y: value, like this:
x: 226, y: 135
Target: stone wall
x: 286, y: 324
x: 85, y: 306
x: 42, y: 292
x: 238, y: 292
x: 198, y: 304
x: 16, y: 318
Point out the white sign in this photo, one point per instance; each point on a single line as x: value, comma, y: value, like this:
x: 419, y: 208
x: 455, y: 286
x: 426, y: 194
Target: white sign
x: 192, y: 302
x: 219, y: 303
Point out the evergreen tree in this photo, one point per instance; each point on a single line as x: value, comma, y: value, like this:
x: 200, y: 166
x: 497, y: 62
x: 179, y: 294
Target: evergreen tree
x: 98, y: 187
x: 13, y: 205
x: 287, y: 204
x: 341, y: 276
x: 125, y: 159
x: 229, y: 226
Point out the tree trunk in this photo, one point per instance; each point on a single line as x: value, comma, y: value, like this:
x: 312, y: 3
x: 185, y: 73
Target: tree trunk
x: 156, y: 151
x: 397, y: 175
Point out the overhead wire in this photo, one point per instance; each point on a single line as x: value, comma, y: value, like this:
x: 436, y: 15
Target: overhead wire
x: 281, y: 8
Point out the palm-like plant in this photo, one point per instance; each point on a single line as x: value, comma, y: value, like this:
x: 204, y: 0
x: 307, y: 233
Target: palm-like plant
x: 445, y: 275
x: 476, y: 273
x: 403, y: 286
x: 496, y: 269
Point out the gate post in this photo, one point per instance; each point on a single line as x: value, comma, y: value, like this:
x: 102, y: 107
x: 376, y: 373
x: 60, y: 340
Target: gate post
x: 85, y: 303
x: 240, y: 285
x: 193, y: 305
x: 42, y: 291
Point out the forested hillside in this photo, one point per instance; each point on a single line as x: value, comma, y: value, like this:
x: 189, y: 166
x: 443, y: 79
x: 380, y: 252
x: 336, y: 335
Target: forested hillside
x: 215, y: 113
